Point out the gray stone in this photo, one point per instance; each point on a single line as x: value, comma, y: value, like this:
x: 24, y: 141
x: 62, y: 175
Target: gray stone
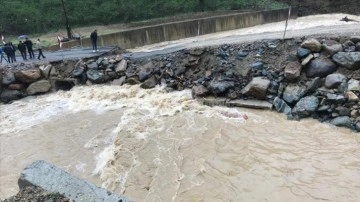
x: 320, y: 67
x: 149, y: 83
x: 53, y: 179
x: 334, y: 80
x: 211, y: 101
x: 354, y: 85
x: 121, y: 67
x: 257, y: 88
x: 312, y: 44
x: 292, y: 71
x: 349, y: 60
x: 306, y: 106
x: 355, y: 39
x: 95, y: 76
x: 253, y: 104
x: 333, y: 49
x: 45, y: 70
x: 335, y: 99
x: 357, y: 46
x: 220, y: 87
x: 352, y: 97
x: 257, y: 66
x: 281, y: 106
x: 132, y: 80
x: 41, y: 86
x: 199, y: 91
x: 348, y: 43
x: 313, y: 85
x: 293, y: 93
x: 343, y: 111
x: 243, y: 54
x: 146, y: 71
x: 10, y: 95
x: 93, y: 65
x: 303, y: 52
x: 8, y: 77
x: 119, y: 81
x: 343, y: 121
x: 306, y: 60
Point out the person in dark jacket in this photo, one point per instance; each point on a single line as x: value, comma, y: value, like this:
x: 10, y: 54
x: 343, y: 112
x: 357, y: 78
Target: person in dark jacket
x: 9, y: 51
x: 22, y: 49
x: 93, y: 37
x: 13, y: 49
x: 2, y: 55
x: 29, y: 45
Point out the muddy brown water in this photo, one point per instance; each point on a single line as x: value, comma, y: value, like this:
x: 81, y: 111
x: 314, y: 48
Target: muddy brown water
x: 152, y: 145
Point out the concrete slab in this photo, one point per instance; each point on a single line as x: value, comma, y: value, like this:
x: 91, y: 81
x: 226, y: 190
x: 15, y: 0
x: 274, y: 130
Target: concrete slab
x: 254, y: 104
x: 53, y: 179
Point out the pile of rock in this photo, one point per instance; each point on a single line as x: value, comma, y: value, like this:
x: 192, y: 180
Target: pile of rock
x: 315, y: 77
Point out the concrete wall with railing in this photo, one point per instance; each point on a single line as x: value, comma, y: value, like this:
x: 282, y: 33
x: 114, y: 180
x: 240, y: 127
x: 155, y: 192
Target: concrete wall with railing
x: 138, y: 37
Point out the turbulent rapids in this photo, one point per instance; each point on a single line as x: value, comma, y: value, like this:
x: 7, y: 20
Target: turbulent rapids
x: 154, y: 145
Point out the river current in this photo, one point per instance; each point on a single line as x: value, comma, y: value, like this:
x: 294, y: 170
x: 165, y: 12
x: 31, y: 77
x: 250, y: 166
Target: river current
x: 154, y: 145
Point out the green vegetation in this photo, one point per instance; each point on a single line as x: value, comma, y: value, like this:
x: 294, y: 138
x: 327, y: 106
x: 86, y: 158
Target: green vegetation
x: 42, y: 16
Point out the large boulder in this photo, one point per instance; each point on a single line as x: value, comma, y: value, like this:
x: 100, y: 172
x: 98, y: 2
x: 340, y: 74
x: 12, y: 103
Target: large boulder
x: 45, y: 70
x: 95, y: 76
x: 334, y: 80
x: 41, y: 86
x: 349, y: 60
x: 121, y: 67
x: 306, y: 106
x: 8, y: 78
x: 281, y: 106
x: 354, y: 85
x: 312, y: 44
x: 355, y: 39
x: 320, y: 67
x: 146, y: 71
x: 10, y: 95
x: 28, y: 76
x: 293, y: 93
x: 343, y: 121
x: 149, y: 83
x: 257, y: 88
x: 332, y: 49
x: 199, y: 91
x: 292, y: 71
x: 303, y: 52
x: 220, y: 87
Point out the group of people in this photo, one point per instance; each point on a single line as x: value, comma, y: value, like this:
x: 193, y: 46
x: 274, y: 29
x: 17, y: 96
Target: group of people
x: 9, y: 50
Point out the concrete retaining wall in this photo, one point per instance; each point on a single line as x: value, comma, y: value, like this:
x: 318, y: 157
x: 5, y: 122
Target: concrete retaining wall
x: 183, y: 29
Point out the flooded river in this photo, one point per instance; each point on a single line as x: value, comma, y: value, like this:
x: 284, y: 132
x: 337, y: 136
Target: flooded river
x: 153, y: 145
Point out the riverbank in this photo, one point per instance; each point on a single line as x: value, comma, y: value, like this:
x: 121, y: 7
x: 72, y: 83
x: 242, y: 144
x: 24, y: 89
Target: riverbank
x: 314, y: 77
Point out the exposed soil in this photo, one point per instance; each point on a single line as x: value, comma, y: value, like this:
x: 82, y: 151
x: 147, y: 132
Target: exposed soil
x: 36, y: 194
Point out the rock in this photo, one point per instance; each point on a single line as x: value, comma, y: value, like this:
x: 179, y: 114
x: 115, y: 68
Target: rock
x: 354, y: 85
x: 292, y: 71
x: 146, y: 71
x: 53, y: 72
x: 210, y: 101
x: 149, y: 83
x: 335, y: 99
x: 199, y: 91
x: 355, y: 39
x: 303, y: 52
x: 180, y: 69
x: 54, y: 180
x: 220, y: 87
x: 196, y: 52
x: 95, y: 76
x: 348, y: 43
x: 241, y: 70
x: 121, y: 67
x: 281, y: 106
x: 306, y: 60
x: 28, y: 76
x: 256, y: 88
x: 132, y: 80
x: 357, y: 126
x: 333, y: 49
x: 242, y: 54
x: 312, y: 44
x: 349, y: 60
x: 343, y: 121
x: 313, y: 85
x: 10, y: 95
x: 352, y: 97
x: 92, y: 65
x: 334, y: 80
x: 257, y: 66
x: 343, y: 111
x: 320, y: 67
x: 306, y: 106
x: 16, y: 86
x: 38, y: 87
x: 357, y: 46
x: 119, y: 82
x: 119, y: 58
x: 8, y: 78
x: 293, y: 93
x: 45, y: 70
x: 78, y: 71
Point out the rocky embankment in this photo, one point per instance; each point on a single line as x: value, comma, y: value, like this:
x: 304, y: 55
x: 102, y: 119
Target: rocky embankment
x: 309, y: 77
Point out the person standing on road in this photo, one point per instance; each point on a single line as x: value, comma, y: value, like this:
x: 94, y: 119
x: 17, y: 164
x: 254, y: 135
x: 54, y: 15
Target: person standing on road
x: 29, y: 45
x: 8, y: 51
x: 22, y: 49
x: 2, y: 55
x: 39, y: 47
x: 93, y: 37
x: 12, y: 53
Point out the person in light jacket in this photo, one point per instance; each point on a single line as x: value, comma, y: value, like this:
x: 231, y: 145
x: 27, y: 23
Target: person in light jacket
x: 39, y: 47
